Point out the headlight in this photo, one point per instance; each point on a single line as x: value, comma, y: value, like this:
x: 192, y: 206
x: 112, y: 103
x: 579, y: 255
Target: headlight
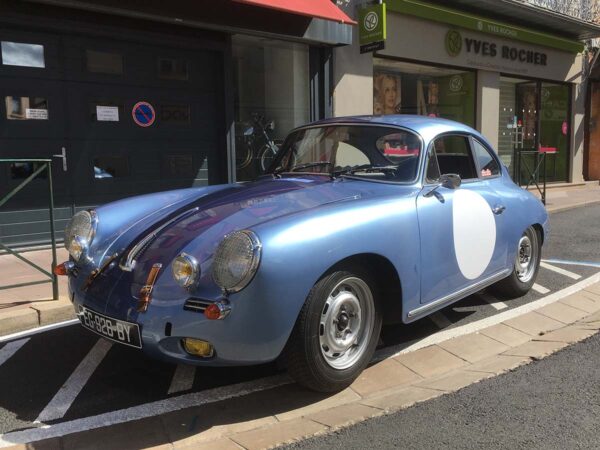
x: 236, y: 260
x: 80, y: 232
x: 185, y: 270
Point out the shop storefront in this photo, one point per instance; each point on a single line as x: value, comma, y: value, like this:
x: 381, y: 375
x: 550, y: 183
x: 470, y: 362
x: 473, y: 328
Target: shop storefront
x: 133, y: 99
x: 520, y: 87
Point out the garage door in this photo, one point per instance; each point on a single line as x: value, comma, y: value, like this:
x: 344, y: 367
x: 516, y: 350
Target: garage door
x: 129, y: 118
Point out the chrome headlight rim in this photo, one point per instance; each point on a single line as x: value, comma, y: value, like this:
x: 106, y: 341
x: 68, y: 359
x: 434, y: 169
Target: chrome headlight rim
x: 83, y: 240
x: 195, y: 266
x: 253, y: 266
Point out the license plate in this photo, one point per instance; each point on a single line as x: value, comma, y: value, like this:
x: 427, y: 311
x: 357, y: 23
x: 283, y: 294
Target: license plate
x: 116, y: 330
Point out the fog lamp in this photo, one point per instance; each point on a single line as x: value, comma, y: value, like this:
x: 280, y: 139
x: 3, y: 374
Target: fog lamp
x: 198, y: 347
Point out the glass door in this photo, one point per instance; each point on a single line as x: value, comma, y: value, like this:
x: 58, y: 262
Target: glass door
x: 554, y: 130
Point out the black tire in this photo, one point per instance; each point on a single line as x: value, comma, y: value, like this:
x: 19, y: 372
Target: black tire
x: 516, y: 285
x: 305, y: 354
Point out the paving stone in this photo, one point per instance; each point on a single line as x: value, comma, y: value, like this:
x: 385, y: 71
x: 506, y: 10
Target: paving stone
x: 580, y: 301
x: 499, y: 364
x: 594, y: 317
x: 341, y: 398
x: 146, y: 433
x: 278, y: 433
x: 533, y: 323
x: 505, y: 334
x: 473, y: 347
x: 401, y: 398
x: 536, y: 349
x: 594, y: 288
x: 383, y: 375
x: 54, y: 311
x: 568, y: 335
x: 46, y: 444
x: 430, y: 361
x: 561, y: 312
x: 344, y: 415
x: 453, y: 381
x: 18, y: 320
x: 219, y: 444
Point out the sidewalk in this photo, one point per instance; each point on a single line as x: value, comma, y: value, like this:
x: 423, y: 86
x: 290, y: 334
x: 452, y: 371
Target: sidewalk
x: 32, y: 306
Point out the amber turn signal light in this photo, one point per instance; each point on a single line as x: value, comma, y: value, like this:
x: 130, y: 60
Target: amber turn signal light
x: 63, y: 268
x: 217, y: 311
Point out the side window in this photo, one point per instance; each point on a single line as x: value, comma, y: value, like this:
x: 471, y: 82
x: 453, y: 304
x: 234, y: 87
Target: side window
x: 433, y: 170
x: 454, y: 156
x: 488, y: 166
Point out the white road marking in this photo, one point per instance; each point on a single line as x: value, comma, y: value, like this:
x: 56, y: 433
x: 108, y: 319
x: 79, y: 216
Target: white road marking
x: 10, y: 349
x: 236, y: 390
x: 183, y: 378
x: 65, y: 397
x: 539, y: 288
x: 440, y: 320
x: 573, y: 263
x: 143, y: 411
x: 10, y: 337
x: 497, y: 304
x: 564, y: 272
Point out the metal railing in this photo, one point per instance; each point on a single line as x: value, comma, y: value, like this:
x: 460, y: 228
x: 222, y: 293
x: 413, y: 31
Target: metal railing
x: 44, y: 165
x: 535, y: 172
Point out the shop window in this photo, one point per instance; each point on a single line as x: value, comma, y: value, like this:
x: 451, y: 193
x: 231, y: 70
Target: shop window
x: 106, y: 167
x: 104, y: 62
x: 179, y: 166
x: 175, y: 113
x: 172, y: 69
x: 26, y: 108
x: 488, y: 166
x: 23, y: 170
x: 24, y: 55
x: 106, y: 111
x: 271, y: 97
x: 406, y: 88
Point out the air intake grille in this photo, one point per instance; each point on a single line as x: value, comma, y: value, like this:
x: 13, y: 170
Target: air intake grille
x: 197, y: 304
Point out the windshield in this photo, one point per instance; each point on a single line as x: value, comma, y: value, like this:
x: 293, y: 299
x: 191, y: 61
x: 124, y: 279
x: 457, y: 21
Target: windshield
x: 374, y: 152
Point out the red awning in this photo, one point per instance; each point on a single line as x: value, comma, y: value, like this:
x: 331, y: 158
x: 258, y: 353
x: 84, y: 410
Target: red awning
x: 322, y: 9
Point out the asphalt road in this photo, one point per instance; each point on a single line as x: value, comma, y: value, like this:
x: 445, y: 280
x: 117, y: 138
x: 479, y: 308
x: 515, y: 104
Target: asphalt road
x: 553, y: 403
x: 103, y: 378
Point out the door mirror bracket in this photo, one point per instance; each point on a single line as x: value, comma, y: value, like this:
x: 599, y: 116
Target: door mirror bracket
x: 449, y: 181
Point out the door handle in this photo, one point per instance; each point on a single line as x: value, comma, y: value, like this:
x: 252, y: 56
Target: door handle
x: 498, y: 209
x: 63, y: 155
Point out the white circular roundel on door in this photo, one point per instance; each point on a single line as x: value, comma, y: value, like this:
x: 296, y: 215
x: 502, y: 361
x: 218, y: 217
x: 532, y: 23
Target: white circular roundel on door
x: 474, y: 232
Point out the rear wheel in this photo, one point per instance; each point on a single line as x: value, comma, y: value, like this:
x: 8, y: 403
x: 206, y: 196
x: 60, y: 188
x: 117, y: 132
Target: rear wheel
x: 336, y: 332
x: 526, y: 266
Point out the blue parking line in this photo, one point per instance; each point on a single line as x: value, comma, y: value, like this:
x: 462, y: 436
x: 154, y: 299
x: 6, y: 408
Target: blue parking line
x: 573, y: 263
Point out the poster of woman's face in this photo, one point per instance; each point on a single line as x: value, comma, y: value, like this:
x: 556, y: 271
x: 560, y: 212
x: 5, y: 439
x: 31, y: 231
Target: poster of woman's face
x: 386, y: 93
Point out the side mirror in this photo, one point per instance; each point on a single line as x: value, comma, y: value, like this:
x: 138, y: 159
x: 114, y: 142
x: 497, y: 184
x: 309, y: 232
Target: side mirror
x: 450, y: 181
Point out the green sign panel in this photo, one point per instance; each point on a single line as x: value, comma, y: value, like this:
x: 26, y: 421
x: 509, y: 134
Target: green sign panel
x: 483, y: 25
x: 371, y: 22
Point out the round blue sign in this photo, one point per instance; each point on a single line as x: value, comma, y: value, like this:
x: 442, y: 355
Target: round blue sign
x: 143, y: 114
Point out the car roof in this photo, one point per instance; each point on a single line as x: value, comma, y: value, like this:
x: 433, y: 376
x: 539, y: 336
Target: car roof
x: 427, y: 127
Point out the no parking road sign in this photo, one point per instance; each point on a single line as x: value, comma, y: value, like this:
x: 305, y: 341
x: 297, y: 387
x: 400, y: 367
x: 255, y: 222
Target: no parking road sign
x: 143, y: 114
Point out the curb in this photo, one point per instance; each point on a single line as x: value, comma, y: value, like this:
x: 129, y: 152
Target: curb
x: 552, y: 209
x: 286, y: 413
x: 35, y: 315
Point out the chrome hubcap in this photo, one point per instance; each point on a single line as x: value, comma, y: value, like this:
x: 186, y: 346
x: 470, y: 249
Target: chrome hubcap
x: 526, y: 257
x: 346, y: 323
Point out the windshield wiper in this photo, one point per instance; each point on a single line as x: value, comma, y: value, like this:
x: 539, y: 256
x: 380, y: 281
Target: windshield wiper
x: 366, y: 168
x: 310, y: 164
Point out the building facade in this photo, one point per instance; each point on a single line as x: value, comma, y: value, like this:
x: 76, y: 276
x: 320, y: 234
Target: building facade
x: 520, y: 85
x: 128, y: 99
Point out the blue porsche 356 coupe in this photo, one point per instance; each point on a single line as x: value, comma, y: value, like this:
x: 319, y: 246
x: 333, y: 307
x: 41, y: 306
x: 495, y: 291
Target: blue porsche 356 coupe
x: 359, y: 220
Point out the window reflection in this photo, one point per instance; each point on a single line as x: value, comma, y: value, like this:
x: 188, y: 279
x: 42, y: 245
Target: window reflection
x: 104, y: 62
x: 180, y: 165
x: 172, y: 69
x: 24, y: 55
x: 26, y: 108
x: 106, y: 167
x: 23, y: 170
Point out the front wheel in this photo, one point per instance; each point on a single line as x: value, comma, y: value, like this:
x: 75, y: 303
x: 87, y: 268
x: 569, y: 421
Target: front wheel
x: 336, y: 332
x: 526, y: 266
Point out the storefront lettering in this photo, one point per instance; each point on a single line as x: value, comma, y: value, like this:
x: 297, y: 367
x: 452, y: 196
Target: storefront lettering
x: 485, y: 48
